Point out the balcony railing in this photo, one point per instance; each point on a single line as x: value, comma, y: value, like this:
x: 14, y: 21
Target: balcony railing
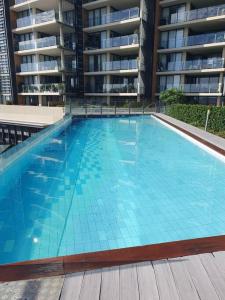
x: 43, y: 88
x: 195, y: 88
x: 115, y: 17
x: 196, y: 14
x: 125, y: 40
x: 45, y: 42
x: 194, y: 40
x: 41, y: 66
x: 20, y: 1
x: 49, y: 41
x: 201, y: 88
x: 116, y: 65
x: 114, y: 88
x: 120, y: 65
x: 23, y: 1
x: 43, y: 17
x: 198, y: 64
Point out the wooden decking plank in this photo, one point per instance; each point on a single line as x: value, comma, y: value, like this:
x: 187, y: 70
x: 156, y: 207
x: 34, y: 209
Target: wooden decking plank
x: 147, y: 281
x: 72, y: 286
x: 129, y: 283
x: 183, y: 281
x: 165, y: 281
x: 91, y: 285
x: 110, y: 284
x: 220, y: 260
x: 200, y: 278
x: 215, y: 275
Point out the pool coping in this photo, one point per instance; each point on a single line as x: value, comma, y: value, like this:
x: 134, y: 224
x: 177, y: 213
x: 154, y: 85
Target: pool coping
x: 88, y: 261
x: 210, y: 140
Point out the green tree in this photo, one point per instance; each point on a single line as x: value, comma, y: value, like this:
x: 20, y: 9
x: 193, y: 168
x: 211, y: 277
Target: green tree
x: 172, y: 96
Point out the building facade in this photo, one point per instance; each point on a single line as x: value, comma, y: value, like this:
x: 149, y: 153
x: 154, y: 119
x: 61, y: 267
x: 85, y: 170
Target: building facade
x: 7, y: 72
x: 47, y: 43
x: 118, y: 51
x: 191, y: 49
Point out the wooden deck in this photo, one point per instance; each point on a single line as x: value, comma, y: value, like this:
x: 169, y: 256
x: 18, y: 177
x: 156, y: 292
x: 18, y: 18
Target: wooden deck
x: 187, y: 278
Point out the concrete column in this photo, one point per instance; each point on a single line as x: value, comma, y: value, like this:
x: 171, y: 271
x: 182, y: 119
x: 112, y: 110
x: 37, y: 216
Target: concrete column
x: 60, y: 6
x: 40, y: 100
x: 221, y: 87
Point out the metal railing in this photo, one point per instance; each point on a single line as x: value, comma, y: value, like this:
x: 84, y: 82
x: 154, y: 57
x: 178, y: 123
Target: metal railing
x: 113, y: 17
x: 194, y: 40
x: 197, y: 64
x: 43, y: 88
x: 196, y: 14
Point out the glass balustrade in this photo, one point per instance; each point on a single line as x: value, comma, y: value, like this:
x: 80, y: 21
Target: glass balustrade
x: 41, y: 66
x: 45, y: 42
x: 115, y: 17
x: 194, y: 40
x: 120, y: 41
x: 113, y: 88
x: 194, y: 88
x: 46, y: 16
x: 43, y: 88
x: 198, y: 64
x: 195, y: 14
x: 20, y: 1
x: 120, y: 65
x: 201, y: 88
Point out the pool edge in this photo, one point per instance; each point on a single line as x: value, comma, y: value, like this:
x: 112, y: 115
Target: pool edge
x: 96, y: 260
x: 201, y: 140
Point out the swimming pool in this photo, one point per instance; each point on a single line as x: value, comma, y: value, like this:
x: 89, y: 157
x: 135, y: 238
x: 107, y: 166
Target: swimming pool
x: 109, y: 183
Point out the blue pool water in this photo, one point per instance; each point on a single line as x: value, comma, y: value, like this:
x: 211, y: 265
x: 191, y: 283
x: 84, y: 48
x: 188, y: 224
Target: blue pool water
x: 109, y: 183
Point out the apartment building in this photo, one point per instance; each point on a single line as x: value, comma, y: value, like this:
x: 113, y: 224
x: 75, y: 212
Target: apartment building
x: 47, y: 45
x: 7, y: 76
x: 191, y: 49
x: 118, y: 50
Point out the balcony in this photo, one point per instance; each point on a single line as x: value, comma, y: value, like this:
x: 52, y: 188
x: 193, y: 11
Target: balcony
x: 126, y: 40
x: 201, y: 88
x: 114, y: 89
x: 120, y: 41
x: 195, y: 88
x: 51, y: 88
x: 41, y: 18
x: 197, y: 14
x: 113, y: 17
x: 192, y: 65
x: 20, y: 1
x: 50, y: 41
x: 194, y: 40
x: 118, y: 65
x: 24, y: 1
x: 52, y: 65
